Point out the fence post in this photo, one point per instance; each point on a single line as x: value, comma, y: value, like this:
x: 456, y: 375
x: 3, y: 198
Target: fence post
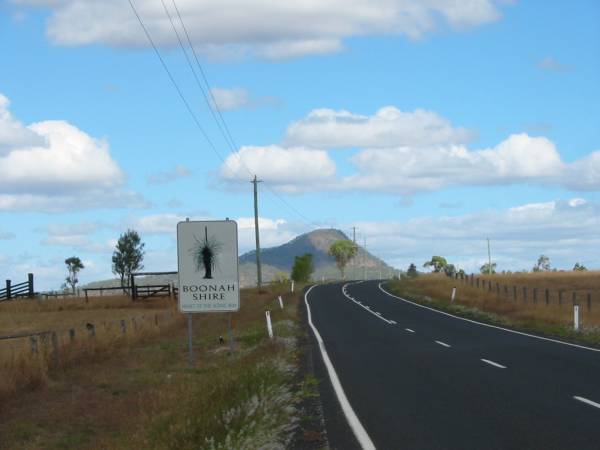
x: 515, y: 292
x: 133, y: 290
x: 524, y: 294
x: 471, y: 279
x: 489, y: 286
x: 589, y: 301
x: 72, y: 334
x: 30, y: 285
x: 547, y: 297
x: 535, y: 296
x: 498, y: 288
x: 34, y: 344
x: 8, y: 295
x: 91, y: 329
x: 477, y: 282
x: 55, y: 353
x: 560, y: 298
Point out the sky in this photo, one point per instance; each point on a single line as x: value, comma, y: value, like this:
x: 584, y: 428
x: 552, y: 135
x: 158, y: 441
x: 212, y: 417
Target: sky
x: 430, y: 126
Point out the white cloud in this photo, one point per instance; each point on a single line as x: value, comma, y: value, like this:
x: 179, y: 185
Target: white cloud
x: 273, y: 232
x: 236, y: 98
x: 54, y: 166
x: 389, y: 127
x: 566, y: 230
x: 179, y: 171
x: 407, y: 170
x: 295, y: 169
x: 6, y: 235
x: 268, y: 29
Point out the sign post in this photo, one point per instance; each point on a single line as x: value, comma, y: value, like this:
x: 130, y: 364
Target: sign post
x: 207, y: 262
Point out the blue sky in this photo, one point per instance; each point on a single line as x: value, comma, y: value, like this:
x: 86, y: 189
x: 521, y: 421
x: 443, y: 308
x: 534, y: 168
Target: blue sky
x: 430, y: 128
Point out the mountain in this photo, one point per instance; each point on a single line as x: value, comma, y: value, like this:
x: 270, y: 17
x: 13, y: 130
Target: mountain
x: 317, y: 242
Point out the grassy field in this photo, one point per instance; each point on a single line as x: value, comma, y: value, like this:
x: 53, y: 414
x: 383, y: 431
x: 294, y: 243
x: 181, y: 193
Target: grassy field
x: 554, y: 317
x: 140, y: 393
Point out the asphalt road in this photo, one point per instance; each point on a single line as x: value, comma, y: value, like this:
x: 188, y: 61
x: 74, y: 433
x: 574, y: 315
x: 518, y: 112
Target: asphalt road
x: 419, y: 379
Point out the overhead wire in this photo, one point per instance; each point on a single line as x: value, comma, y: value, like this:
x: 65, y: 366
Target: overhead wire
x: 222, y: 124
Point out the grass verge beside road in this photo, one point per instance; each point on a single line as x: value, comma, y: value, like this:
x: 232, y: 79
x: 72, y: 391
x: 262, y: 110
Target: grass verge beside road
x: 144, y: 395
x: 434, y: 290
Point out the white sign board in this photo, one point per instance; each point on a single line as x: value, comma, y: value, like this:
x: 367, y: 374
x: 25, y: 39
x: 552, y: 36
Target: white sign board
x: 207, y: 261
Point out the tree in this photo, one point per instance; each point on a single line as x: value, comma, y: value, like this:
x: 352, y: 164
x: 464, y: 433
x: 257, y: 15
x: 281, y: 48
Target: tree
x: 579, y: 267
x: 128, y: 256
x: 450, y: 270
x: 542, y: 265
x: 343, y: 251
x: 74, y: 265
x: 412, y: 271
x: 437, y: 262
x: 303, y: 268
x: 485, y: 269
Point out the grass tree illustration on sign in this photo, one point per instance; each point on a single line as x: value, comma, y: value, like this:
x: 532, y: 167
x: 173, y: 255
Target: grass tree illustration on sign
x: 205, y: 253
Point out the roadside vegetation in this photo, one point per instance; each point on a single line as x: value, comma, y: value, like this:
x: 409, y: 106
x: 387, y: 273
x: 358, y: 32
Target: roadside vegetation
x: 481, y: 303
x: 138, y: 391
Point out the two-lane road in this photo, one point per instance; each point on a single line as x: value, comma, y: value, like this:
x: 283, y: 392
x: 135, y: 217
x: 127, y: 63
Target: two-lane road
x: 415, y: 378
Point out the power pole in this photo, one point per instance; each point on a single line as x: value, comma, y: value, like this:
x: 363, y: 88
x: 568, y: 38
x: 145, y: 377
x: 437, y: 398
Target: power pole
x: 489, y: 258
x: 258, y: 269
x: 354, y: 265
x: 354, y: 234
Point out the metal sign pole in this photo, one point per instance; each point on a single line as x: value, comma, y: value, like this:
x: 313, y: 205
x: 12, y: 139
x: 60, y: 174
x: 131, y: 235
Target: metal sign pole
x: 230, y: 332
x: 190, y: 345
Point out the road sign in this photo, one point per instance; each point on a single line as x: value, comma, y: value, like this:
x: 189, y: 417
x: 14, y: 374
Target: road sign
x: 207, y: 261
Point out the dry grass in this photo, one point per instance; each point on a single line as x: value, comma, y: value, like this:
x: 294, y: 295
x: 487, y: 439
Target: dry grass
x: 523, y: 309
x: 143, y: 395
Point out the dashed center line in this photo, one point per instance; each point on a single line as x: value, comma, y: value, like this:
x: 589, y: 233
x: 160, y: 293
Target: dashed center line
x: 443, y: 344
x: 409, y: 330
x: 492, y: 363
x: 586, y: 401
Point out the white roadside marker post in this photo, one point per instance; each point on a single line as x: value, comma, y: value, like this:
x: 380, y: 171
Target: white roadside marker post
x: 576, y: 317
x: 453, y: 295
x: 292, y: 285
x: 269, y: 325
x: 280, y: 302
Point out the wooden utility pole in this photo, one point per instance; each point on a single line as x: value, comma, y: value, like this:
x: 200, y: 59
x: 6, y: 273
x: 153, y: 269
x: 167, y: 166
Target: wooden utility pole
x: 258, y: 269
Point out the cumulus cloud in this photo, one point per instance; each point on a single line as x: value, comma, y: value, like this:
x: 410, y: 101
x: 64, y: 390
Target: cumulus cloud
x: 388, y: 127
x: 273, y: 232
x: 236, y: 98
x: 407, y: 170
x: 268, y: 29
x: 168, y: 176
x: 566, y: 230
x: 294, y: 169
x: 54, y: 166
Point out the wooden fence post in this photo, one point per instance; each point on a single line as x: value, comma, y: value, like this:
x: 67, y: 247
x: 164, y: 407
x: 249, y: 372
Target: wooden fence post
x: 31, y: 291
x: 524, y: 294
x: 535, y: 296
x: 547, y: 297
x: 478, y: 282
x: 8, y: 294
x: 560, y: 298
x: 55, y: 352
x: 34, y: 344
x: 489, y: 286
x: 498, y: 288
x: 589, y: 301
x: 86, y: 295
x: 515, y: 292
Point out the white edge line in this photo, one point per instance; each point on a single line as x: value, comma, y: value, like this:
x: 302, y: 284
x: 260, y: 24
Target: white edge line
x: 443, y: 344
x: 365, y: 307
x: 488, y: 325
x: 409, y: 330
x: 359, y: 431
x: 492, y: 363
x: 585, y: 400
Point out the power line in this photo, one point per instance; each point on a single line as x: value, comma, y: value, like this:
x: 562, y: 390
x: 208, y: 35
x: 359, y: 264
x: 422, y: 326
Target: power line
x: 177, y: 88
